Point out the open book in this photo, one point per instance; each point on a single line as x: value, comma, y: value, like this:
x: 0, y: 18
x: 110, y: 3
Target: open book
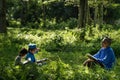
x: 93, y: 58
x: 25, y: 62
x: 42, y: 60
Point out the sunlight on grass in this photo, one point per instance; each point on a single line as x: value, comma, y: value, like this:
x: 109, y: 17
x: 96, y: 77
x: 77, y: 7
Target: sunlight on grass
x: 64, y: 49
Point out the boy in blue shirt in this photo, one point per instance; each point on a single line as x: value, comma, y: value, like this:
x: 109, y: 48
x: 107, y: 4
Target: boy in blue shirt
x: 30, y: 55
x: 105, y: 57
x: 31, y: 51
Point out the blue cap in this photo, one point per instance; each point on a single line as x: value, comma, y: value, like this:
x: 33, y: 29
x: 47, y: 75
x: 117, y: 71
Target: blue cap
x: 32, y: 46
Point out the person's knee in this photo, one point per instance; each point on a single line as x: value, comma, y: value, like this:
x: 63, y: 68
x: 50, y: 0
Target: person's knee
x: 88, y: 63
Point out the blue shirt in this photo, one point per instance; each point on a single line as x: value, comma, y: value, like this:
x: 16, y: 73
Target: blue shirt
x: 30, y: 57
x: 106, y: 57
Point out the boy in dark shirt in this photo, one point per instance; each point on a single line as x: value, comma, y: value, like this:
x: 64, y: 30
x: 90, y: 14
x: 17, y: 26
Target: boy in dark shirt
x: 22, y: 53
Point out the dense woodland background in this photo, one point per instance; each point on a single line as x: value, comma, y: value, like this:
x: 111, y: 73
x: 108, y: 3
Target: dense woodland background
x: 65, y: 31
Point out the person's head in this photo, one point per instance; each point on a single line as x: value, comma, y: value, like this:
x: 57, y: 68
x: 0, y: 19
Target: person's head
x: 23, y: 52
x: 32, y: 48
x: 106, y: 42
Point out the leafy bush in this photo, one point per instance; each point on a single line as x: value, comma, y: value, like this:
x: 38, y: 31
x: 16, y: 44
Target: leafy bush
x: 15, y: 23
x: 54, y: 25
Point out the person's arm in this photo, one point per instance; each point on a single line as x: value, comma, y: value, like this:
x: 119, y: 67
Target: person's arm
x: 42, y: 60
x: 97, y: 57
x: 26, y: 62
x: 97, y: 54
x: 106, y: 59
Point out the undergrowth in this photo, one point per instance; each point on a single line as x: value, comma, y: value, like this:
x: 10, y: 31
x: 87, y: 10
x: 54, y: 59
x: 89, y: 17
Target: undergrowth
x: 65, y: 50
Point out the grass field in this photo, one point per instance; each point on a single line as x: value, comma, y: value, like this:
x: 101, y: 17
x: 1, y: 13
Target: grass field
x: 65, y: 50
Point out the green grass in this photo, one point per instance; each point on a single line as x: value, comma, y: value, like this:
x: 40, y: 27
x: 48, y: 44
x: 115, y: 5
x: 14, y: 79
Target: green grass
x: 65, y: 50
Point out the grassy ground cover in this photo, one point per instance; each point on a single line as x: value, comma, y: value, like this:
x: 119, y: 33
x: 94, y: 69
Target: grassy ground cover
x: 65, y: 50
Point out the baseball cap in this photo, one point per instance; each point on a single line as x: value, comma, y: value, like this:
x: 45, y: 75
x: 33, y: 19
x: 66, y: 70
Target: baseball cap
x: 32, y: 46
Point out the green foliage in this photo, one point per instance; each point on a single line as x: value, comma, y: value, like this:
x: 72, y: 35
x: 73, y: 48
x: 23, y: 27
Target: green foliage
x: 55, y: 14
x: 58, y: 40
x: 52, y: 25
x: 65, y: 50
x: 35, y: 12
x: 113, y: 12
x: 14, y: 23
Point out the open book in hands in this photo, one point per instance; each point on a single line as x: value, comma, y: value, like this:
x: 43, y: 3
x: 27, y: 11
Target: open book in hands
x: 91, y: 57
x: 96, y: 60
x: 42, y: 60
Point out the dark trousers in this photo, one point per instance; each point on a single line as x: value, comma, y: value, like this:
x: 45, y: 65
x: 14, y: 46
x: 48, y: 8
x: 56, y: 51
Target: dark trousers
x: 91, y: 63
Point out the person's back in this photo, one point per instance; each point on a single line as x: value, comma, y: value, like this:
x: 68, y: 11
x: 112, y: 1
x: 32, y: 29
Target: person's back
x: 22, y: 53
x: 18, y: 60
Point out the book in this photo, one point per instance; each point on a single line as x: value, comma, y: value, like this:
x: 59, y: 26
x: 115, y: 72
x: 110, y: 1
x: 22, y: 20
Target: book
x: 91, y: 57
x: 25, y: 62
x: 42, y: 60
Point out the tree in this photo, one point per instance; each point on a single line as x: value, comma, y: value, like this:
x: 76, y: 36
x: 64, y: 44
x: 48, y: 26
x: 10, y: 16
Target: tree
x: 98, y: 13
x: 24, y: 11
x: 101, y: 13
x: 43, y: 14
x: 82, y: 16
x: 3, y: 28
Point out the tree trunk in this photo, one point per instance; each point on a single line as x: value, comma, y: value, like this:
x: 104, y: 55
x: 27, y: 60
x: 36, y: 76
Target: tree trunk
x: 96, y: 16
x: 82, y: 16
x: 101, y: 14
x: 3, y: 28
x: 23, y: 12
x: 89, y: 20
x: 43, y: 14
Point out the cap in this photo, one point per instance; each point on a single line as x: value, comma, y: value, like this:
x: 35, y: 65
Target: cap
x: 32, y: 46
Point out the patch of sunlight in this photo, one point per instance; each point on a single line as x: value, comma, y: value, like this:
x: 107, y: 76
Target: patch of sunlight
x: 86, y: 70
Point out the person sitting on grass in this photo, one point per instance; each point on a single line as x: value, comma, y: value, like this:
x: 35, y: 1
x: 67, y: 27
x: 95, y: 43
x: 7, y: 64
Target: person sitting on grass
x: 22, y: 53
x: 105, y: 57
x: 30, y: 55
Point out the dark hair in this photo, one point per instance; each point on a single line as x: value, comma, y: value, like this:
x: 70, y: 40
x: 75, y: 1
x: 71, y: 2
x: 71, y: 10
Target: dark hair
x: 108, y: 40
x: 31, y: 49
x: 23, y: 51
